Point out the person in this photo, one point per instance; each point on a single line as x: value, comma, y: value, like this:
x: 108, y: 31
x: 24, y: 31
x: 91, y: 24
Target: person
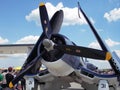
x: 1, y: 79
x: 3, y: 84
x: 9, y: 76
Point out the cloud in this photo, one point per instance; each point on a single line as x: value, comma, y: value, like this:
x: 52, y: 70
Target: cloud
x: 3, y: 40
x: 113, y: 15
x: 95, y: 45
x: 108, y: 41
x: 112, y: 43
x: 70, y: 14
x: 28, y: 40
x: 33, y: 16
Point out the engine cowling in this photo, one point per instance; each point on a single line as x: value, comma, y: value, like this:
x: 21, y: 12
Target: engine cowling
x: 58, y: 63
x: 58, y: 68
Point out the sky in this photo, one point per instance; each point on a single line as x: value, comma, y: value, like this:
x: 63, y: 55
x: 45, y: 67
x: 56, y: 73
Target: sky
x: 20, y: 23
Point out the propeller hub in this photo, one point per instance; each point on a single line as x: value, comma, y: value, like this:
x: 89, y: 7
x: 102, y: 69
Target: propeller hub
x: 48, y: 44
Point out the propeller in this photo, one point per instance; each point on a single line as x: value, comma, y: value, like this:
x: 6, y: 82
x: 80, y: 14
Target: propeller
x: 101, y: 42
x: 34, y: 58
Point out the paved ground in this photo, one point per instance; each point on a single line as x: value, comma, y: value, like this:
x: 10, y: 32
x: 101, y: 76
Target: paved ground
x: 74, y: 86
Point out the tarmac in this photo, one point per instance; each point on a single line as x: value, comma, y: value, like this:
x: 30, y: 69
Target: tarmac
x: 74, y: 86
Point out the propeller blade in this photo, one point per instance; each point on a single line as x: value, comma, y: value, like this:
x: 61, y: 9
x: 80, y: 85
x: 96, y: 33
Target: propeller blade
x: 101, y: 42
x: 24, y: 71
x: 33, y: 54
x: 45, y: 20
x: 56, y: 21
x: 35, y: 51
x: 84, y: 52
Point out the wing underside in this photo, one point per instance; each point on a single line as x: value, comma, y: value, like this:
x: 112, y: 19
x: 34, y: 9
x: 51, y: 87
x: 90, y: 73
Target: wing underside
x: 15, y: 48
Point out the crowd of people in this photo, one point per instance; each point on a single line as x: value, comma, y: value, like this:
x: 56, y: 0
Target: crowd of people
x: 7, y: 75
